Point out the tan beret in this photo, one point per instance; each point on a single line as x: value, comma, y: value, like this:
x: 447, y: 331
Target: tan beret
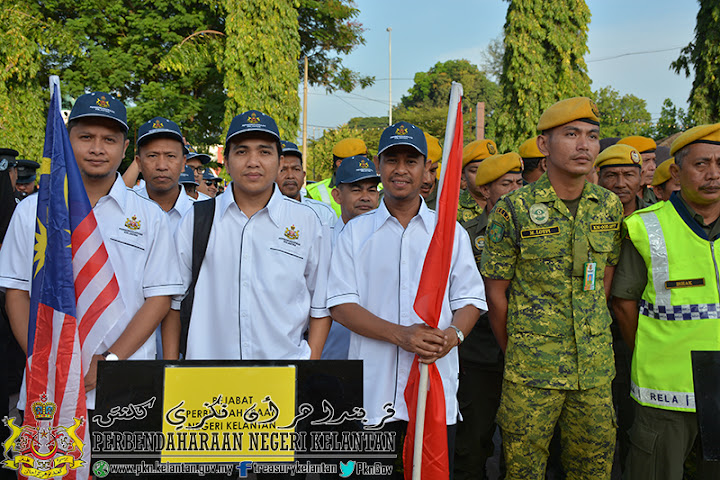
x: 641, y: 144
x: 662, y: 172
x: 699, y: 134
x: 618, y: 155
x: 496, y: 166
x: 348, y: 147
x: 569, y: 110
x: 478, y: 150
x: 434, y: 148
x: 529, y: 149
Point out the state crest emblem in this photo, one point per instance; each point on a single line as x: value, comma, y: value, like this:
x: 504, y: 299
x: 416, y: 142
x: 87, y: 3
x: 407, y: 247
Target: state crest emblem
x: 292, y: 233
x: 133, y: 223
x: 157, y: 124
x: 401, y: 130
x: 102, y: 102
x: 253, y: 118
x: 364, y: 164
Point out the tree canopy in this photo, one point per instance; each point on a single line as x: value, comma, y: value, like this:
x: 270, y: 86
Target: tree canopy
x: 622, y: 116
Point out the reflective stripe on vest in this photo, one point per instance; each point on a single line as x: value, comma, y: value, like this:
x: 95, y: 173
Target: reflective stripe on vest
x: 679, y: 309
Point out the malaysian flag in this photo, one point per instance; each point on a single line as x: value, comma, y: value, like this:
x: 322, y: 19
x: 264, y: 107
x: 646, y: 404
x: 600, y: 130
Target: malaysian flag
x: 75, y: 296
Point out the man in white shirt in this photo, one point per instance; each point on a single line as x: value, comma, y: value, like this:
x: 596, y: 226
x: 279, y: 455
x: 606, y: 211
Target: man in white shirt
x: 290, y: 179
x: 197, y: 161
x: 134, y: 229
x: 268, y: 254
x: 375, y: 271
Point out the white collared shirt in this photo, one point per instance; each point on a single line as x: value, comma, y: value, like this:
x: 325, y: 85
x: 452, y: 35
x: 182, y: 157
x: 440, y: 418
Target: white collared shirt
x: 339, y: 225
x: 143, y: 259
x: 271, y: 271
x: 183, y: 203
x: 338, y: 339
x: 324, y: 211
x: 377, y: 264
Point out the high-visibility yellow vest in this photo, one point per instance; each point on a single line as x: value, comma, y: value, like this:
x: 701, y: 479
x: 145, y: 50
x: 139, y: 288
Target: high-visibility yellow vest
x: 321, y: 191
x: 680, y: 307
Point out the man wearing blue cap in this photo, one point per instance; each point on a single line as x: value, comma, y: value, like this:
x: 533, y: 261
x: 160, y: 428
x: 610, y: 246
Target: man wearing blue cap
x: 197, y: 161
x: 267, y: 253
x: 135, y: 232
x: 187, y: 180
x: 209, y: 184
x: 290, y: 179
x: 374, y: 275
x: 356, y: 182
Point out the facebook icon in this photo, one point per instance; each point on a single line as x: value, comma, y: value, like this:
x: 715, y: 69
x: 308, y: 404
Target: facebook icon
x: 243, y: 468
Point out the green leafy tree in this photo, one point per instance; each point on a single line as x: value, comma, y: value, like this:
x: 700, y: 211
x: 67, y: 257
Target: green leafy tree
x: 672, y: 120
x: 622, y: 116
x: 368, y: 122
x: 543, y: 62
x: 702, y: 56
x: 319, y: 161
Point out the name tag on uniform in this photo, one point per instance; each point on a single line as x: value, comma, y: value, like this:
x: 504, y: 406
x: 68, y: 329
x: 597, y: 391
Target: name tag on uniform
x: 589, y: 277
x: 539, y: 232
x: 693, y: 282
x: 605, y: 227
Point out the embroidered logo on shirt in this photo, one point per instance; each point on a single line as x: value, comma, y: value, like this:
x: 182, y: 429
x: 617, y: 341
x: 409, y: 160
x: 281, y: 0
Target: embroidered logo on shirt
x: 495, y: 232
x: 539, y: 213
x: 501, y: 211
x: 480, y: 242
x: 292, y: 233
x: 133, y: 223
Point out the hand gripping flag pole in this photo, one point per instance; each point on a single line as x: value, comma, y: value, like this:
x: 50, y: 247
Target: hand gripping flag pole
x: 426, y: 439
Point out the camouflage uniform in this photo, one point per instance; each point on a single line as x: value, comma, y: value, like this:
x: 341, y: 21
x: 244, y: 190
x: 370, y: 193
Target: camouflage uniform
x: 481, y: 370
x: 559, y: 358
x: 467, y: 207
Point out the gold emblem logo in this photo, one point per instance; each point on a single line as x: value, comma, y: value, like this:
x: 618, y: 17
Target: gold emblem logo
x: 292, y: 233
x: 594, y: 109
x: 102, y: 102
x: 157, y: 124
x: 635, y: 156
x: 253, y: 118
x: 44, y: 450
x: 364, y: 164
x: 491, y: 149
x: 133, y: 223
x: 401, y: 130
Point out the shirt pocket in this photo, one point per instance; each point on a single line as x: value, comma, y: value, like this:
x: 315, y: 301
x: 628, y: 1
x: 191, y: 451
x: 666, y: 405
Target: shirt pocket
x: 602, y: 245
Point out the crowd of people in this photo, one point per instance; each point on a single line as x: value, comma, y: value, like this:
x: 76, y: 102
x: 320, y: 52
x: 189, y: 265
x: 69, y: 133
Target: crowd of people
x: 583, y: 274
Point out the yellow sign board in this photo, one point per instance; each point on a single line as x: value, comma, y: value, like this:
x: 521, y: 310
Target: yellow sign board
x: 230, y: 414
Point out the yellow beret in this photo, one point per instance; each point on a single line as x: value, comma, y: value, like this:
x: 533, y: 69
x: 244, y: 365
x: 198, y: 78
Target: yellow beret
x: 349, y: 147
x: 699, y: 134
x: 662, y: 172
x: 478, y: 150
x: 434, y: 148
x: 569, y: 110
x: 641, y: 144
x: 496, y: 166
x: 618, y: 155
x: 529, y: 149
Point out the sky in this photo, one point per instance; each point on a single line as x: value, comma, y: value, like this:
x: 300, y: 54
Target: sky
x: 425, y: 32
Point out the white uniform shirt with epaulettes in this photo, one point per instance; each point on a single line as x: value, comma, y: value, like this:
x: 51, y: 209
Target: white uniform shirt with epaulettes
x: 377, y: 264
x: 323, y: 210
x: 183, y: 203
x: 338, y: 339
x: 271, y: 270
x: 139, y: 243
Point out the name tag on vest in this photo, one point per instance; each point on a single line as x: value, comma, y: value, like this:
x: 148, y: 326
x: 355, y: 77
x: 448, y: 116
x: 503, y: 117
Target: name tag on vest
x: 693, y: 282
x: 604, y: 227
x: 539, y: 232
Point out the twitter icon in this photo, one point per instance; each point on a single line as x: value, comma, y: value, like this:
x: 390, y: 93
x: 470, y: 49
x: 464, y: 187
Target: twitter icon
x: 347, y: 469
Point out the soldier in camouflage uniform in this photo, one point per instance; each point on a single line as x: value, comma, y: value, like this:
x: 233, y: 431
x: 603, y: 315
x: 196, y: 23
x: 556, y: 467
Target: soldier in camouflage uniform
x: 471, y: 202
x: 481, y: 360
x: 553, y: 246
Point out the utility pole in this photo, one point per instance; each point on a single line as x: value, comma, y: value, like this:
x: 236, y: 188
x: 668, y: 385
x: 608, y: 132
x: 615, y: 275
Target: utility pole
x: 304, y: 126
x: 480, y: 121
x: 389, y: 30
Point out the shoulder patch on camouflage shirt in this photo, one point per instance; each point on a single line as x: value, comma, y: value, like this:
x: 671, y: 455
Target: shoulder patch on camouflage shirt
x: 495, y: 232
x: 501, y: 211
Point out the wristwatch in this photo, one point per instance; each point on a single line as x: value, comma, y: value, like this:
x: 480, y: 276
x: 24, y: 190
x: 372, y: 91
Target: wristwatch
x: 460, y: 335
x: 110, y: 357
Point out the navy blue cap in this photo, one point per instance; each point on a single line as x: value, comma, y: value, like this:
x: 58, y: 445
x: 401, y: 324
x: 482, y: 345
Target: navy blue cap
x: 26, y: 168
x: 192, y: 153
x: 289, y: 147
x: 100, y: 104
x: 187, y: 176
x: 252, y: 121
x: 160, y: 127
x: 7, y: 158
x: 208, y: 175
x: 25, y: 179
x: 403, y: 133
x: 356, y: 168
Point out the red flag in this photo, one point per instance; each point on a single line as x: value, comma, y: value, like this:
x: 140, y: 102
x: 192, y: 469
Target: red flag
x: 428, y: 305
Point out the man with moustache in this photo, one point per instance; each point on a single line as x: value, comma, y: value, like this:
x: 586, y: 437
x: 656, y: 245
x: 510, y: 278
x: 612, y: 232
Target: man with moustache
x: 647, y: 148
x: 550, y: 252
x: 372, y: 293
x: 619, y: 170
x: 290, y: 179
x: 665, y: 296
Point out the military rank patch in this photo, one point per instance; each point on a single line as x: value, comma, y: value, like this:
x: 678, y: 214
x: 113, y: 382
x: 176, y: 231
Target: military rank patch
x: 604, y: 227
x: 501, y: 211
x: 495, y: 232
x: 479, y: 242
x: 539, y: 232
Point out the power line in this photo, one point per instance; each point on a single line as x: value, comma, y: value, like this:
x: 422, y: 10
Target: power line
x: 635, y: 53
